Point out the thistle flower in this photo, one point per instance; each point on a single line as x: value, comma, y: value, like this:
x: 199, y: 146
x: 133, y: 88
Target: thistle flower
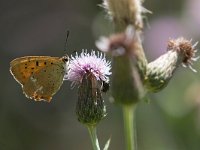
x: 88, y: 62
x: 159, y: 72
x: 90, y: 72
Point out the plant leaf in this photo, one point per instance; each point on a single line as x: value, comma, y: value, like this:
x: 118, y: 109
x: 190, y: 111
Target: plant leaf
x: 107, y: 144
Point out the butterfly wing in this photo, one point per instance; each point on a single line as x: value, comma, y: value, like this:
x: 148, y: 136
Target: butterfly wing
x: 40, y: 76
x: 45, y: 83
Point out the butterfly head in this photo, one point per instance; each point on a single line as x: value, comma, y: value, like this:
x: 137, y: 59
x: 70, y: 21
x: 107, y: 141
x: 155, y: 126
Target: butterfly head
x: 65, y: 58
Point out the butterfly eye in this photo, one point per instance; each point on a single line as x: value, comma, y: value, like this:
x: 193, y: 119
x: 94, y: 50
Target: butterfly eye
x: 65, y: 58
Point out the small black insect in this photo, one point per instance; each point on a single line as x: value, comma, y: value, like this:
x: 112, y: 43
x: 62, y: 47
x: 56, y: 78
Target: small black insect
x: 105, y: 86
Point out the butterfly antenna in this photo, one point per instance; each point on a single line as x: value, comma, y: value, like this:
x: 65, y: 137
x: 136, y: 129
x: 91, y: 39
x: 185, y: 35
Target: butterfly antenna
x: 66, y: 41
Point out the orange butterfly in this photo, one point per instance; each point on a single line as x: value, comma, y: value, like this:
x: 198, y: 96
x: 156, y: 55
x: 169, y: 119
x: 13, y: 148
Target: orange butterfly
x: 39, y: 76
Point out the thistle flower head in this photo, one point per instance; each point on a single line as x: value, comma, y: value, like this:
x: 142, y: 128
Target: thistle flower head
x: 90, y: 72
x: 88, y: 63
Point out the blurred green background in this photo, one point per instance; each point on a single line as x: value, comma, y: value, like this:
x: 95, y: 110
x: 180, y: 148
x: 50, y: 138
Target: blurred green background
x: 170, y: 122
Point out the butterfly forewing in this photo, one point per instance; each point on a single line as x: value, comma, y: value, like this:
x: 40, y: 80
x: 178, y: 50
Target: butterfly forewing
x: 22, y: 68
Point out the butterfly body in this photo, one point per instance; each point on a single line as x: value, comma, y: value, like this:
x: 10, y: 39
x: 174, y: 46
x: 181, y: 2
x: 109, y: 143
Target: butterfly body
x: 39, y: 76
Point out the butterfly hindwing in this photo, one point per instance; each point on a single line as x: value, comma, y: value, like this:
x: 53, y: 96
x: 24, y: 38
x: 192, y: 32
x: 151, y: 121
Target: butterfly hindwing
x: 45, y: 83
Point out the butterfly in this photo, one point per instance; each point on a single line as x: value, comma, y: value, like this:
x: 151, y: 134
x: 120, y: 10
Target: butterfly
x: 40, y: 76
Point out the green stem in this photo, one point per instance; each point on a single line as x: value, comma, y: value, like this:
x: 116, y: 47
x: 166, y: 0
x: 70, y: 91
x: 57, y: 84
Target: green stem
x: 93, y: 136
x: 129, y: 127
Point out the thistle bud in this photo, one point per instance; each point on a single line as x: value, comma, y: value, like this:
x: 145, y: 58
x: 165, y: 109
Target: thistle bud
x: 160, y: 71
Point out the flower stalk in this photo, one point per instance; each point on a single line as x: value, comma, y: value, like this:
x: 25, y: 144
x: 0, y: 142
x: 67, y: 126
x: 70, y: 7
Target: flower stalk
x: 93, y: 136
x: 129, y: 127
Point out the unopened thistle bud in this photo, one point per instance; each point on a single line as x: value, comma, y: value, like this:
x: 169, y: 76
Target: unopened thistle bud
x: 128, y: 66
x: 160, y: 71
x: 89, y: 72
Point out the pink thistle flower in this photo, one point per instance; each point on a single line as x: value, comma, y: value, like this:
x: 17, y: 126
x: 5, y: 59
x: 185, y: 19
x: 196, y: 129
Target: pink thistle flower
x: 90, y: 72
x: 84, y: 63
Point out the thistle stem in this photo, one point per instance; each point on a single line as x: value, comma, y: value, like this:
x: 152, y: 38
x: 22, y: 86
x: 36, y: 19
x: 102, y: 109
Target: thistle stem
x: 129, y: 126
x: 93, y: 136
